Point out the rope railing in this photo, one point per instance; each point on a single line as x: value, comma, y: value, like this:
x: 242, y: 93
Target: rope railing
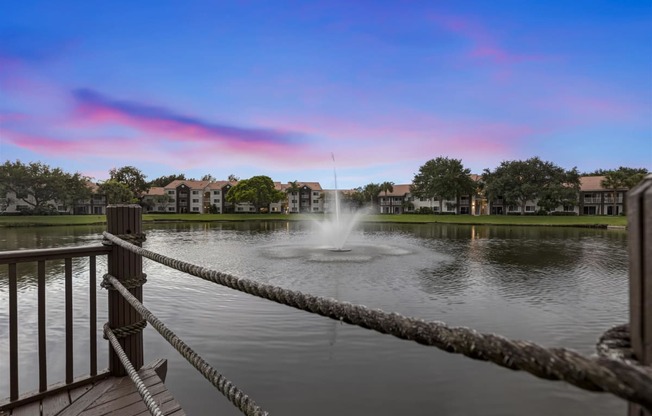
x: 236, y: 396
x: 133, y: 374
x: 629, y: 382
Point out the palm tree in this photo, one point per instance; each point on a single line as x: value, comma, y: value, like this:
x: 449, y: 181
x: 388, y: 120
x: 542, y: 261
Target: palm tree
x: 386, y: 187
x: 371, y: 191
x: 293, y: 187
x: 613, y: 180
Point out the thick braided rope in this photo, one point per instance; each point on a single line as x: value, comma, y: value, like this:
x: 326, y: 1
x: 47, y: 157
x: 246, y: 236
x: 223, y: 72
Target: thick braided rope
x: 136, y: 238
x: 631, y: 383
x: 133, y: 374
x: 245, y: 404
x: 131, y: 329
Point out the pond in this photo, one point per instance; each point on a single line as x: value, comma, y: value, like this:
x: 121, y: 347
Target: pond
x: 559, y: 287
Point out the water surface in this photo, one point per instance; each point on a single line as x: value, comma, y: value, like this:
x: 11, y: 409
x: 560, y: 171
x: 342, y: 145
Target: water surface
x: 560, y: 287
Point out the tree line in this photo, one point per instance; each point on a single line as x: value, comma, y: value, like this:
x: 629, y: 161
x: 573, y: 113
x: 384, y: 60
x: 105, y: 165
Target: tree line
x: 36, y: 184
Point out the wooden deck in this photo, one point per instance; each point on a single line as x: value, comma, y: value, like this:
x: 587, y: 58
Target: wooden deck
x: 113, y: 395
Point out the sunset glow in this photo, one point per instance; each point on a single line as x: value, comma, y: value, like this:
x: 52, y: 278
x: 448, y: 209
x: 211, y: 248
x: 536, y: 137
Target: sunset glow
x: 274, y: 88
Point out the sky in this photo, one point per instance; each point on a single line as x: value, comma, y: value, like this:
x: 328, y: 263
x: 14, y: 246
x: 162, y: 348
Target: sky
x: 297, y: 89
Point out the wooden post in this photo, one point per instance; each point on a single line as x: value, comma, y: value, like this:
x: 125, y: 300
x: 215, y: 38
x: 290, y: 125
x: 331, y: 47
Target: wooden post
x: 639, y: 224
x: 123, y: 264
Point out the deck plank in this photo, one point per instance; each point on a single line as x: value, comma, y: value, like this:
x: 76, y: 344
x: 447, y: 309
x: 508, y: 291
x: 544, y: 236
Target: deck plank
x: 121, y: 402
x: 54, y: 404
x: 107, y: 396
x: 30, y: 409
x: 82, y: 402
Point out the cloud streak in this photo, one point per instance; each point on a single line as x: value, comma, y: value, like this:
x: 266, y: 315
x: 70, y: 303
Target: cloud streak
x: 95, y: 108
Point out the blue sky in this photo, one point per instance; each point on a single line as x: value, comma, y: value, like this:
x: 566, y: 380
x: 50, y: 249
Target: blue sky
x: 254, y: 87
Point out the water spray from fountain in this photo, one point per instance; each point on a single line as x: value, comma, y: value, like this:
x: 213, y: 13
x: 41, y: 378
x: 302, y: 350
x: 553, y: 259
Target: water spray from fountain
x: 337, y: 231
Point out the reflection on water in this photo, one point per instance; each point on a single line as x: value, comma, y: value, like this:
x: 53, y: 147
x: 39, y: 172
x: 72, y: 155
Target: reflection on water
x: 555, y: 286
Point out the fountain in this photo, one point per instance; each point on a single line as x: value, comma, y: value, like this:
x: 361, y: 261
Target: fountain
x: 337, y: 231
x: 333, y: 241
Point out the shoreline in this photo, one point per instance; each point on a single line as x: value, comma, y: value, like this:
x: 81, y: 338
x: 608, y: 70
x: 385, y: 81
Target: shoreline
x: 598, y: 222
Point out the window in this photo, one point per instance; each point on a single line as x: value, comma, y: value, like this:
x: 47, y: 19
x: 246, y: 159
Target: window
x: 294, y: 201
x: 569, y: 208
x: 251, y: 208
x: 240, y: 208
x: 171, y: 209
x: 216, y: 192
x: 464, y: 210
x: 170, y: 192
x: 529, y: 208
x: 217, y: 201
x: 195, y: 208
x: 315, y: 209
x: 161, y: 208
x: 315, y: 194
x: 195, y: 192
x: 195, y: 200
x: 315, y: 201
x: 183, y: 201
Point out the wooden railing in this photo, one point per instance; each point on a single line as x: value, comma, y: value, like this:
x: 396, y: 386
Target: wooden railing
x: 40, y: 257
x: 122, y: 220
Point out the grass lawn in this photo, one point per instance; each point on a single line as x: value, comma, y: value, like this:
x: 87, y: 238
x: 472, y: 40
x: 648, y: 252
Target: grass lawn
x: 582, y: 221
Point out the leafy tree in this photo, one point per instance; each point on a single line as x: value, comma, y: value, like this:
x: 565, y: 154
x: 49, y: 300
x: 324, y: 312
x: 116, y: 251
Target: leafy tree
x: 563, y: 190
x: 258, y: 191
x: 519, y: 181
x: 354, y: 198
x: 443, y: 178
x: 38, y: 185
x: 117, y: 192
x: 233, y: 178
x: 632, y: 175
x: 208, y: 177
x: 132, y: 177
x: 76, y: 189
x: 163, y: 181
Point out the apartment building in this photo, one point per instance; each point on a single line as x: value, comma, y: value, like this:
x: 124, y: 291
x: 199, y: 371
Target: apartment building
x: 202, y: 197
x: 183, y: 196
x: 596, y: 200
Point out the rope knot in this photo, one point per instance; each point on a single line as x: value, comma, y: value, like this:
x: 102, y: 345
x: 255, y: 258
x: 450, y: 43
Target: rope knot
x: 129, y: 283
x: 616, y: 344
x: 125, y: 331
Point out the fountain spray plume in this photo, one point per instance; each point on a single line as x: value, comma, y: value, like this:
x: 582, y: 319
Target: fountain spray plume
x: 338, y: 231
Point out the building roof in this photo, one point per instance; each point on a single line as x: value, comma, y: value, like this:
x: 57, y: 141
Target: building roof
x: 593, y: 183
x: 190, y: 184
x: 219, y: 184
x: 399, y: 190
x: 315, y: 186
x: 155, y: 191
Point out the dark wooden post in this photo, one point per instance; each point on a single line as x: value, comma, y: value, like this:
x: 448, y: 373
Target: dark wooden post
x: 123, y: 264
x: 639, y: 223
